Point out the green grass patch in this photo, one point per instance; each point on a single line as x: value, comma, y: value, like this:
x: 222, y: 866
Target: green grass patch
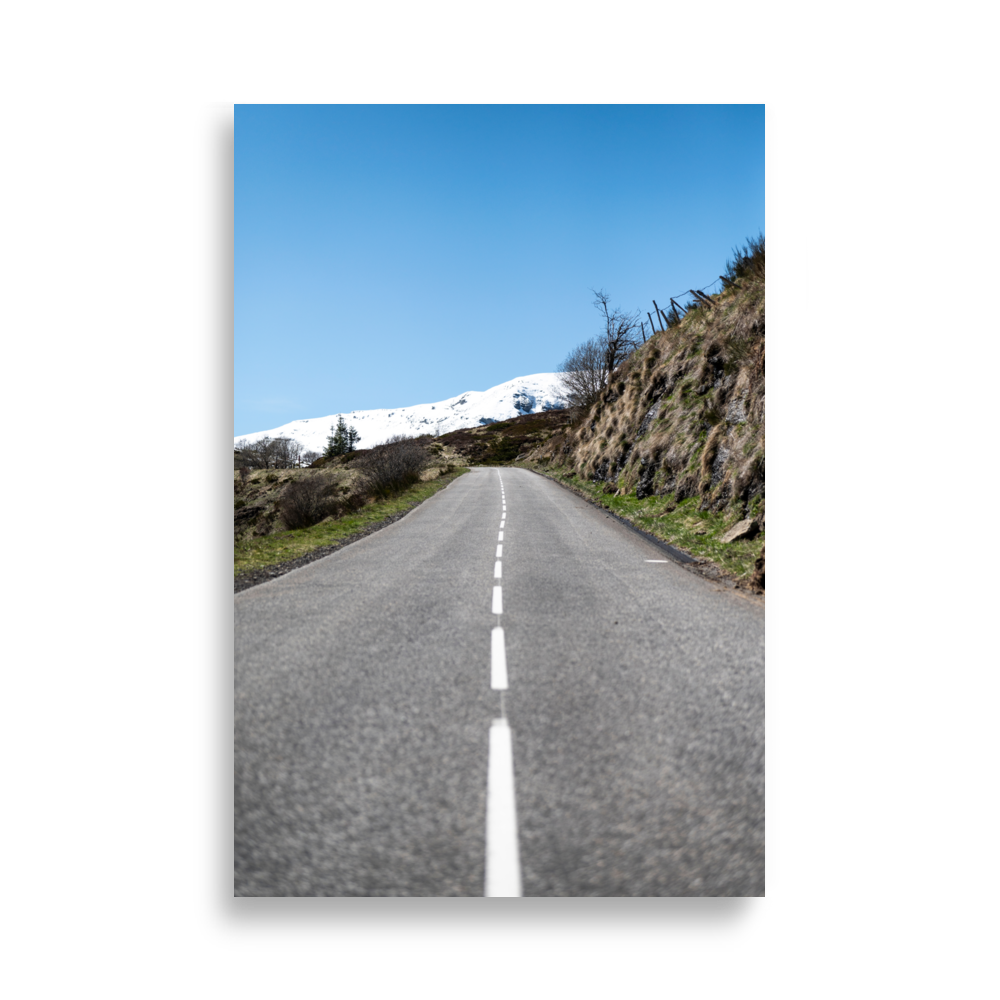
x: 695, y: 531
x: 282, y: 546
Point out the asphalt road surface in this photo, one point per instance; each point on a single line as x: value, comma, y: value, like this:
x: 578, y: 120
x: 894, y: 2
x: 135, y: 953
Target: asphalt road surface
x: 439, y: 710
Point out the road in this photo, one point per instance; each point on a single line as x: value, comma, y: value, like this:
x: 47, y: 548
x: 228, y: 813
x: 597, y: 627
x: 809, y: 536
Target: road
x: 384, y: 748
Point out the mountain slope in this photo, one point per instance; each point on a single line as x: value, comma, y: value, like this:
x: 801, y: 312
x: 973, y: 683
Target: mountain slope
x: 528, y: 394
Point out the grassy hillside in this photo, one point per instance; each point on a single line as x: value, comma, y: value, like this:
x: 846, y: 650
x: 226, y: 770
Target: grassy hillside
x: 676, y: 441
x: 265, y: 534
x: 675, y: 444
x: 685, y: 414
x: 505, y: 441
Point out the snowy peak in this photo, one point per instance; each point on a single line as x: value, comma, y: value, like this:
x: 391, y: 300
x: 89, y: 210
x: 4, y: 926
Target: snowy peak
x: 528, y: 394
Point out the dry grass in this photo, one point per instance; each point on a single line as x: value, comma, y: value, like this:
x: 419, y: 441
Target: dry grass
x: 685, y: 415
x: 334, y: 489
x: 680, y: 523
x: 255, y: 551
x: 501, y: 443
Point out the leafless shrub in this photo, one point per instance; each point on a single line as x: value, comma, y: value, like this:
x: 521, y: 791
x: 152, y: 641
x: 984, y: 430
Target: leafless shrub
x: 392, y: 466
x: 306, y: 501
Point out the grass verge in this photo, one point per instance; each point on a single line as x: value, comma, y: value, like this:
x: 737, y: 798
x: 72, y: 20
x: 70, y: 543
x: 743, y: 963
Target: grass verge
x: 697, y: 532
x: 252, y: 554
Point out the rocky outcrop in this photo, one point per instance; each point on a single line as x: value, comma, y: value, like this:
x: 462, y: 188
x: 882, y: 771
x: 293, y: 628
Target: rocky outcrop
x: 747, y: 528
x: 684, y: 415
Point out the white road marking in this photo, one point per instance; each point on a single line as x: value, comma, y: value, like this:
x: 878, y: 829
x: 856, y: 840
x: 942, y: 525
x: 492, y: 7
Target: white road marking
x: 496, y: 570
x: 503, y: 521
x: 498, y: 600
x: 498, y: 661
x: 503, y: 862
x: 505, y: 508
x: 500, y: 537
x: 499, y: 552
x: 658, y: 560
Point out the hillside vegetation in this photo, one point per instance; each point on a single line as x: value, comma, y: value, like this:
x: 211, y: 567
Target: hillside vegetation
x: 677, y: 436
x: 674, y: 443
x: 280, y: 516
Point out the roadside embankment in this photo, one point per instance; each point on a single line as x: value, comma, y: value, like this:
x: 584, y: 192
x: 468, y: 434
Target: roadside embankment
x: 699, y: 535
x: 257, y: 558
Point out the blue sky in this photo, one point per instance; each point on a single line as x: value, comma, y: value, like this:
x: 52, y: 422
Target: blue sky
x: 392, y: 255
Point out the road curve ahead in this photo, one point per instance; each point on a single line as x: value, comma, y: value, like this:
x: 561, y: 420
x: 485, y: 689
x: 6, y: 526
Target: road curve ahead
x: 507, y: 692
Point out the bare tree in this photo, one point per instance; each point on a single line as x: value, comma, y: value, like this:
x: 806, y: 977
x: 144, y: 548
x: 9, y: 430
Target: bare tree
x: 621, y: 328
x: 284, y: 453
x: 583, y: 375
x: 589, y: 367
x: 254, y: 453
x: 269, y: 453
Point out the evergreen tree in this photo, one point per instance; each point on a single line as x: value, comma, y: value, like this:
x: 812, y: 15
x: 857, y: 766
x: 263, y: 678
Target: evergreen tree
x: 336, y: 443
x: 342, y: 439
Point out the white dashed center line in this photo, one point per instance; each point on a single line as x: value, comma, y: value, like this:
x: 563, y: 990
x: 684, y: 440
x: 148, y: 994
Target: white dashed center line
x: 503, y: 863
x: 498, y: 661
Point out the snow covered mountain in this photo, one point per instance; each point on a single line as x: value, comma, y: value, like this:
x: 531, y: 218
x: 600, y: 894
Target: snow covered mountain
x: 530, y: 394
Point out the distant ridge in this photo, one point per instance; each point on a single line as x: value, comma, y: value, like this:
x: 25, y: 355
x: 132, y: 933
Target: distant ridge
x: 528, y: 394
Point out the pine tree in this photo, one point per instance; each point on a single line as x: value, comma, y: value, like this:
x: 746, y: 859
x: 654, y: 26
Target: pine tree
x: 336, y: 443
x: 342, y: 439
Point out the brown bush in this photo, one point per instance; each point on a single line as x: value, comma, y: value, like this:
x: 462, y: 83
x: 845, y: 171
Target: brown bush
x: 306, y: 501
x: 392, y: 466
